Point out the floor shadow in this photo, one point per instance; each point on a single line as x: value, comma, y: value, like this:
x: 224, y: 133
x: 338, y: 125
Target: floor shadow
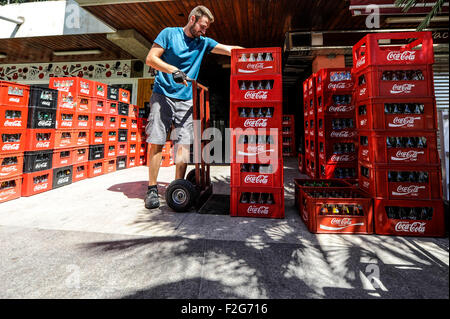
x: 137, y: 189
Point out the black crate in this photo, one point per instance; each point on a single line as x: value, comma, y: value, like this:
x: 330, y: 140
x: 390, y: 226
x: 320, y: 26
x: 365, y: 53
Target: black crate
x: 37, y: 161
x: 96, y: 152
x: 41, y: 118
x: 113, y: 93
x: 121, y: 163
x: 62, y: 176
x: 122, y: 135
x: 42, y: 97
x: 123, y: 109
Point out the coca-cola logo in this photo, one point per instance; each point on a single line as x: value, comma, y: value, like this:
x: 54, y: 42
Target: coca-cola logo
x: 254, y: 67
x: 406, y: 156
x: 412, y: 190
x: 14, y: 99
x: 341, y: 108
x: 98, y: 140
x: 10, y: 147
x: 365, y: 152
x: 42, y: 144
x: 342, y: 158
x: 16, y: 123
x: 363, y: 122
x: 99, y: 124
x: 9, y: 169
x: 255, y: 150
x: 320, y: 110
x: 45, y: 123
x: 342, y: 134
x: 112, y: 139
x: 41, y: 165
x: 79, y: 175
x: 256, y: 179
x: 40, y: 187
x: 341, y: 221
x: 366, y: 184
x: 112, y: 153
x: 402, y: 88
x: 259, y: 210
x: 6, y: 193
x: 252, y: 95
x: 404, y: 121
x: 97, y: 171
x: 63, y: 180
x: 401, y: 56
x: 255, y: 123
x: 362, y: 91
x: 361, y: 61
x: 340, y: 224
x: 83, y: 123
x: 84, y: 91
x: 415, y: 227
x: 66, y: 123
x: 340, y: 85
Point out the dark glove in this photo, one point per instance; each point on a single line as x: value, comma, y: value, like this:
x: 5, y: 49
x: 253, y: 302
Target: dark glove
x: 179, y: 76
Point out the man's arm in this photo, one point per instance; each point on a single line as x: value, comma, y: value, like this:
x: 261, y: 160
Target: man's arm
x: 224, y: 49
x: 154, y: 60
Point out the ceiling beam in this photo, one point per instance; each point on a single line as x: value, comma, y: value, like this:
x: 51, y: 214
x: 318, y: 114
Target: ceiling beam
x: 87, y: 3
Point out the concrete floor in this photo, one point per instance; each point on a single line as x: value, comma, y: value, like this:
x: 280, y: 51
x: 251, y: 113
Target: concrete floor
x: 95, y: 239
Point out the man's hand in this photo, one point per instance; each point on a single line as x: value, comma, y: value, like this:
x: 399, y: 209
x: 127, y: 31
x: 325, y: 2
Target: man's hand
x: 180, y: 77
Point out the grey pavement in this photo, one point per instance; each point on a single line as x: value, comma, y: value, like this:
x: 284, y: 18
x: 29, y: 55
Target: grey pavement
x: 95, y: 239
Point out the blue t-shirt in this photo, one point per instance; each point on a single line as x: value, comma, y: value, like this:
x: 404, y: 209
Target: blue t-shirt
x: 184, y: 53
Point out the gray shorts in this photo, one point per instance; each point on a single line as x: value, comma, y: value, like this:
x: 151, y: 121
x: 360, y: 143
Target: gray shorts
x: 163, y: 112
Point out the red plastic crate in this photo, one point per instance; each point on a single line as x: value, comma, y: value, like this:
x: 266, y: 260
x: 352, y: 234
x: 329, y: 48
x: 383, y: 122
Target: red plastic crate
x: 75, y: 85
x: 65, y: 119
x: 288, y: 119
x: 305, y: 89
x: 13, y: 117
x: 80, y: 172
x: 132, y: 149
x: 124, y: 122
x: 40, y: 139
x: 83, y: 120
x: 264, y: 210
x: 98, y: 121
x: 111, y: 136
x: 133, y: 111
x: 341, y: 151
x: 339, y: 104
x: 112, y: 107
x: 14, y: 94
x: 81, y: 137
x: 8, y: 142
x: 238, y: 120
x: 375, y: 181
x: 142, y: 123
x: 167, y: 160
x: 66, y: 101
x: 425, y: 226
x: 133, y: 123
x: 368, y: 51
x: 312, y: 165
x: 338, y: 171
x: 37, y: 182
x: 384, y: 114
x: 124, y: 96
x: 112, y: 122
x: 110, y: 150
x: 275, y: 94
x: 312, y: 86
x: 11, y: 165
x: 133, y: 136
x: 325, y: 127
x: 84, y: 105
x: 256, y: 152
x: 62, y: 157
x: 80, y: 155
x: 142, y: 160
x: 334, y: 80
x: 65, y: 138
x: 98, y: 136
x: 100, y: 90
x: 99, y: 106
x: 376, y: 87
x: 359, y: 220
x: 122, y: 149
x: 95, y: 168
x: 301, y: 163
x: 109, y: 165
x: 10, y: 188
x: 132, y: 161
x: 288, y: 130
x: 261, y: 176
x: 256, y: 64
x: 143, y: 148
x: 373, y: 148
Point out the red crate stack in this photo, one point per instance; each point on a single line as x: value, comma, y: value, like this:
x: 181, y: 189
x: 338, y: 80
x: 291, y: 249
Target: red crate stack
x: 398, y: 161
x: 288, y: 135
x: 257, y: 188
x: 336, y: 143
x: 310, y: 118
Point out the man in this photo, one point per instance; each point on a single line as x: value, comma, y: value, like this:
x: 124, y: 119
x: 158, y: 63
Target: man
x: 177, y: 54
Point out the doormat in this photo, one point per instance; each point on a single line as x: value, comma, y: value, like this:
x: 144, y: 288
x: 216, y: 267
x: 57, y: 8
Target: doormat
x: 217, y: 204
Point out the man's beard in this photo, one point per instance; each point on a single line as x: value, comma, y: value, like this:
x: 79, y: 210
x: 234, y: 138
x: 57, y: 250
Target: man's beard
x: 194, y: 34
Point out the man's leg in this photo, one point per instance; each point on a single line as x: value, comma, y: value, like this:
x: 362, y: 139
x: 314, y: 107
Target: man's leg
x: 181, y: 160
x: 154, y: 163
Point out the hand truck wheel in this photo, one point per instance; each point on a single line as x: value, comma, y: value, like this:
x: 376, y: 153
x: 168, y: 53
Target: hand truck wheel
x: 191, y: 176
x: 181, y: 195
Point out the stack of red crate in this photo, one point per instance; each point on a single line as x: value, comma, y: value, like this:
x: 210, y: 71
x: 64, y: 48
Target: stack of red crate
x: 336, y: 143
x: 397, y: 126
x: 310, y: 118
x: 288, y: 135
x: 257, y: 188
x: 13, y: 124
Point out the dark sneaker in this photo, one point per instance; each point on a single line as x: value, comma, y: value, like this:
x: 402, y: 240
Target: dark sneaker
x: 152, y: 199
